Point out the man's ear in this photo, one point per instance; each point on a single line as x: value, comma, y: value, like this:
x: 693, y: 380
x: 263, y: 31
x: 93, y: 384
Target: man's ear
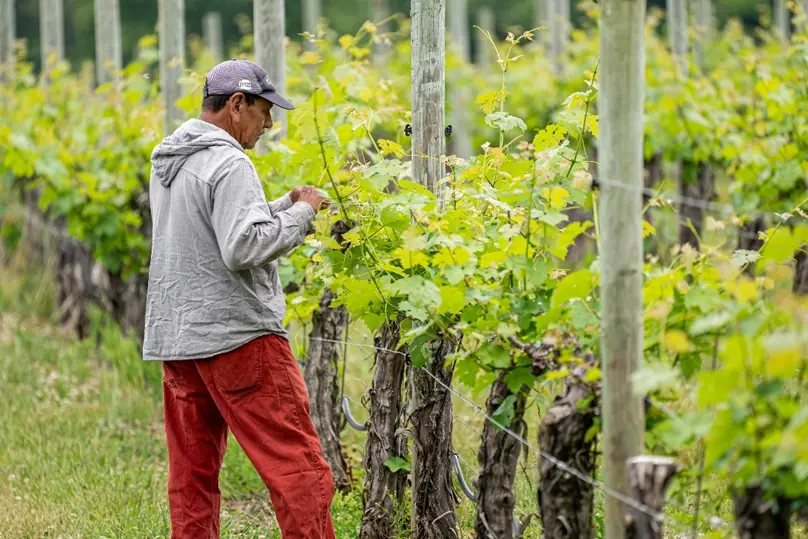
x: 238, y: 101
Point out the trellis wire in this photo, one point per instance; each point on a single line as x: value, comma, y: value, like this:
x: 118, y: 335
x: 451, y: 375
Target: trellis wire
x: 557, y: 463
x: 682, y: 200
x: 455, y: 457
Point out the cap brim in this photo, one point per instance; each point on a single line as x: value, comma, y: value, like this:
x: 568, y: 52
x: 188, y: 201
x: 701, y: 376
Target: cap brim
x: 277, y: 99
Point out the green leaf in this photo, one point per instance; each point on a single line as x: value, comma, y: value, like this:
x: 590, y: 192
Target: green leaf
x: 717, y: 386
x: 519, y: 378
x: 780, y: 247
x: 704, y: 299
x: 556, y: 375
x: 504, y: 121
x: 551, y: 218
x: 652, y: 378
x: 577, y: 284
x: 581, y: 317
x: 396, y: 464
x: 742, y: 257
x: 709, y: 323
x: 452, y: 299
x: 567, y: 237
x: 592, y: 432
x: 494, y: 355
x: 550, y: 137
x: 592, y: 375
x: 505, y: 411
x: 467, y: 372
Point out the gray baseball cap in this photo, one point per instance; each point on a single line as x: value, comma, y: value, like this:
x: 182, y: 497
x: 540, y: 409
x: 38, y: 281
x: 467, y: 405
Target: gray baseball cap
x: 244, y: 76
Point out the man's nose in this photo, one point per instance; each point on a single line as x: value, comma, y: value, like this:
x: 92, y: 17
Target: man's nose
x: 268, y: 122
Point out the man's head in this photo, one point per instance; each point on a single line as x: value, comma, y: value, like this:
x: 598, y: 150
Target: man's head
x: 238, y: 97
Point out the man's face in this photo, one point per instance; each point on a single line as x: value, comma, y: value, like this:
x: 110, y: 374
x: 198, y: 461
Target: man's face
x: 250, y: 121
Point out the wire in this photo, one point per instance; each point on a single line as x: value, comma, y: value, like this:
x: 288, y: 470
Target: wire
x: 682, y: 200
x: 557, y: 463
x: 700, y: 204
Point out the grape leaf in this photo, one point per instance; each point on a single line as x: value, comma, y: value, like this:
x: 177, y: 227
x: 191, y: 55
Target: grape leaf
x: 396, y: 464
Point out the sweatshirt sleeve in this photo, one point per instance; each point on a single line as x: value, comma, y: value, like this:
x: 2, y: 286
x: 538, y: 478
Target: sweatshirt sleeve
x: 281, y: 204
x: 247, y: 232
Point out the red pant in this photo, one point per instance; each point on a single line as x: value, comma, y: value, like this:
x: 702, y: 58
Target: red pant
x: 259, y: 393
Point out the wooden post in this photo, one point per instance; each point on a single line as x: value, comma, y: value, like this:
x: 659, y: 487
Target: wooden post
x: 270, y: 52
x: 311, y: 16
x: 702, y: 19
x: 622, y: 87
x: 558, y: 20
x: 677, y: 33
x: 428, y: 87
x: 380, y: 11
x: 434, y: 501
x: 649, y: 478
x: 782, y: 21
x: 212, y: 35
x: 7, y: 38
x: 51, y: 31
x: 172, y: 58
x: 541, y: 17
x: 108, y: 53
x: 487, y: 23
x: 459, y: 29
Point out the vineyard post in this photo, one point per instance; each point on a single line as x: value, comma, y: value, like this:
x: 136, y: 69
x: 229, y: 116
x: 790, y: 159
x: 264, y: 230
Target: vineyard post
x: 108, y: 50
x: 487, y: 23
x: 311, y: 18
x: 677, y: 33
x: 696, y: 179
x: 622, y: 92
x: 52, y: 34
x: 171, y: 16
x: 7, y: 37
x: 270, y: 53
x: 702, y: 18
x: 541, y: 15
x: 380, y: 11
x: 212, y: 34
x: 559, y: 28
x: 457, y: 11
x: 433, y: 498
x: 782, y: 21
x: 648, y: 478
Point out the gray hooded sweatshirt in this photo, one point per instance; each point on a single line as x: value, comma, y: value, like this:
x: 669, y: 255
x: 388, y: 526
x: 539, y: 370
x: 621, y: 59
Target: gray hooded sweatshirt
x: 213, y: 277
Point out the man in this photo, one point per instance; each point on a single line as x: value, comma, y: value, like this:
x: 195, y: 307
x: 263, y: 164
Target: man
x: 215, y: 310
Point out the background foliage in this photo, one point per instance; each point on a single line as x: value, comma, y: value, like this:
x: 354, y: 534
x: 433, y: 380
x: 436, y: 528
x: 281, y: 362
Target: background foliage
x: 139, y: 17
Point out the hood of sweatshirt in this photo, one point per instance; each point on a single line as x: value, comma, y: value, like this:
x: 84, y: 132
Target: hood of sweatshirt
x: 191, y: 137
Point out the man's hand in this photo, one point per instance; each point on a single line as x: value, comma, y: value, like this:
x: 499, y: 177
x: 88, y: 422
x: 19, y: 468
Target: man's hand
x: 294, y: 194
x: 312, y: 197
